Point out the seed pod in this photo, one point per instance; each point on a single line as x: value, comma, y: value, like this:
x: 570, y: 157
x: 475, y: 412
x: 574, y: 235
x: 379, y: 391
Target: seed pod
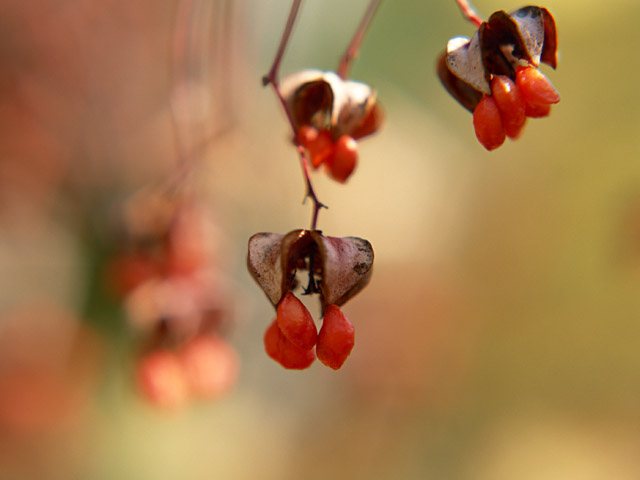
x: 341, y: 267
x: 325, y: 101
x: 499, y: 47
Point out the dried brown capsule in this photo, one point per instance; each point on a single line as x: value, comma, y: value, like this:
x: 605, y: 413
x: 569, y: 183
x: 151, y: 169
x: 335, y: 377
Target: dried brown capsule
x: 338, y: 267
x: 328, y: 114
x: 325, y: 101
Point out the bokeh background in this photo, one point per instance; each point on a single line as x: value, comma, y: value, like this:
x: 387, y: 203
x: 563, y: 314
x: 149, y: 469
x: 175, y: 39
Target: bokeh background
x: 499, y: 336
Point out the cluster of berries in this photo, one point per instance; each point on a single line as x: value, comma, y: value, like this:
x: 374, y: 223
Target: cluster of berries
x: 495, y: 73
x: 329, y: 115
x: 201, y: 367
x: 174, y: 297
x: 338, y: 268
x: 292, y: 336
x: 503, y: 113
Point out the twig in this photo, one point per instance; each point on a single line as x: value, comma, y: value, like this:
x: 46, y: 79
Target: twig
x: 271, y: 78
x: 180, y: 51
x: 469, y: 12
x: 351, y: 53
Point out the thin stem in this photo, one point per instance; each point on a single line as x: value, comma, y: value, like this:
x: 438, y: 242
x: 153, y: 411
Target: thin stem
x: 184, y: 167
x: 272, y: 79
x: 178, y: 67
x: 469, y: 12
x: 351, y: 53
x: 272, y: 76
x: 317, y: 204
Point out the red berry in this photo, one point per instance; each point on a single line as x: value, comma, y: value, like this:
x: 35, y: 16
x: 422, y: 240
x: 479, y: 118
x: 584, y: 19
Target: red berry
x: 537, y: 110
x: 210, y: 365
x: 272, y: 340
x: 488, y: 123
x: 535, y: 87
x: 126, y: 272
x: 306, y: 136
x: 317, y: 142
x: 344, y: 158
x: 188, y: 248
x: 296, y: 323
x: 161, y: 379
x: 284, y: 352
x: 509, y: 103
x: 336, y: 338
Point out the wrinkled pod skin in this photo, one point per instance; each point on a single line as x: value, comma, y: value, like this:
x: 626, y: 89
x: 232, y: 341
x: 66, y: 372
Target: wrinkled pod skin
x: 341, y: 266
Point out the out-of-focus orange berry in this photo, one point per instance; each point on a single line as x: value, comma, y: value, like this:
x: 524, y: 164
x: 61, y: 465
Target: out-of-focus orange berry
x: 344, y: 158
x: 210, y: 365
x: 161, y: 379
x: 317, y: 142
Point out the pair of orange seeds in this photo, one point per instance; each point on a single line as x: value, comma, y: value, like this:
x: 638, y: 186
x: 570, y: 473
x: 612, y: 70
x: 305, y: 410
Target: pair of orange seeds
x: 503, y: 113
x: 339, y: 157
x: 291, y: 338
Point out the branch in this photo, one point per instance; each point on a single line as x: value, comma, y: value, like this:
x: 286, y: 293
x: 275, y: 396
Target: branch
x: 351, y: 53
x: 469, y: 12
x: 271, y: 78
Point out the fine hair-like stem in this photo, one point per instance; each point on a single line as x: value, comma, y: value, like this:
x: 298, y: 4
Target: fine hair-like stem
x: 469, y: 12
x: 351, y: 53
x: 271, y: 78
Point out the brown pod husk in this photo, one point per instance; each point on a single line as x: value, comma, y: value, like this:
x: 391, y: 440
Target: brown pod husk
x: 550, y: 45
x: 325, y: 101
x: 464, y: 93
x: 464, y: 60
x: 346, y: 267
x: 263, y: 261
x: 343, y: 266
x: 530, y: 27
x: 498, y: 35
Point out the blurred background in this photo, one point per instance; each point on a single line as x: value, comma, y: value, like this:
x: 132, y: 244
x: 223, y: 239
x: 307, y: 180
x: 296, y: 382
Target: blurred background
x: 498, y: 338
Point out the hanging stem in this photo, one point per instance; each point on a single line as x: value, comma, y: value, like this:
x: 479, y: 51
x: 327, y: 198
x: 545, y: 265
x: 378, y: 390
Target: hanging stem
x: 469, y: 12
x: 351, y: 53
x: 271, y: 78
x: 178, y: 66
